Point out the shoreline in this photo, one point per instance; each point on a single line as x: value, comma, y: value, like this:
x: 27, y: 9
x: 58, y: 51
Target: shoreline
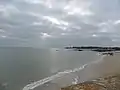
x: 109, y: 82
x: 105, y: 66
x: 105, y: 75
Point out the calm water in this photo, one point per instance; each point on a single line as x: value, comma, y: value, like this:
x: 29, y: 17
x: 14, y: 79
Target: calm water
x: 21, y: 66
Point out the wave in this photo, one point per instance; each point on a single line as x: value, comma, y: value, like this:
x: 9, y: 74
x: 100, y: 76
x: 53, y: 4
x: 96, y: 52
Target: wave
x: 48, y: 79
x: 106, y: 65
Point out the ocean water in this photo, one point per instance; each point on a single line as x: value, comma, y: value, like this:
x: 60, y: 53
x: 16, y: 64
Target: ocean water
x: 23, y: 68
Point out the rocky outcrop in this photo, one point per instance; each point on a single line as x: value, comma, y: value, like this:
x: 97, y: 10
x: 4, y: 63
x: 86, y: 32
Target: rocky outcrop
x: 110, y: 82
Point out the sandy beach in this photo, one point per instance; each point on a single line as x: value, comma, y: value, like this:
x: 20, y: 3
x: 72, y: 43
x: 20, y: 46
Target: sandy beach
x: 108, y: 69
x: 106, y: 66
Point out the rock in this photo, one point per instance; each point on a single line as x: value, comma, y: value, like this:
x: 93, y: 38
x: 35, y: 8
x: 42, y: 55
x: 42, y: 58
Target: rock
x: 110, y: 82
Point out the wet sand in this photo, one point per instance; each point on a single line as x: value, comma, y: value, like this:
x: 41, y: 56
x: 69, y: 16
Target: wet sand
x: 101, y: 75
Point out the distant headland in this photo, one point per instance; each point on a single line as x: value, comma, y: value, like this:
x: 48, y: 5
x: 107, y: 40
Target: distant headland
x: 104, y: 50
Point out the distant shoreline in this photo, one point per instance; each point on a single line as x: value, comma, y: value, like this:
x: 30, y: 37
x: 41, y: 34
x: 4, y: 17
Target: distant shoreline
x: 94, y: 48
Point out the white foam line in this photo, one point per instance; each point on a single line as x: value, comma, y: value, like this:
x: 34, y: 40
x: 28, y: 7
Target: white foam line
x: 59, y: 74
x: 36, y: 84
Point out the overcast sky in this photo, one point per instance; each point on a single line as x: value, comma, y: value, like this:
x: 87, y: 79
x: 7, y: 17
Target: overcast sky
x: 59, y: 23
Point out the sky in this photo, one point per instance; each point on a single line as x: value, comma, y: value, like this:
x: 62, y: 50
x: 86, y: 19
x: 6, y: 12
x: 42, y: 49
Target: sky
x: 59, y: 23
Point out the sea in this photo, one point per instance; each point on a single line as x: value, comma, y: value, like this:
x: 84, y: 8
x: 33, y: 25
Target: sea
x: 26, y: 68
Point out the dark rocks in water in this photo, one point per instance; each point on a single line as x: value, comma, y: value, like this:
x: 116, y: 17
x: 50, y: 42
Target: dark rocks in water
x: 108, y: 53
x: 78, y: 50
x: 94, y: 48
x: 102, y: 50
x: 111, y: 82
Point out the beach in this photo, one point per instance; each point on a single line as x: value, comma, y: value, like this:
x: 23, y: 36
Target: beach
x: 108, y: 69
x: 107, y: 65
x: 109, y: 82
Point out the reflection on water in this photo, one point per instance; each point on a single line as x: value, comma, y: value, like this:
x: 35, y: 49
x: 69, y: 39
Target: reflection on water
x: 21, y: 66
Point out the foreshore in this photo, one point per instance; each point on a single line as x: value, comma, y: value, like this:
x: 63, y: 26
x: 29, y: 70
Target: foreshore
x: 103, y: 67
x: 108, y: 66
x: 110, y: 82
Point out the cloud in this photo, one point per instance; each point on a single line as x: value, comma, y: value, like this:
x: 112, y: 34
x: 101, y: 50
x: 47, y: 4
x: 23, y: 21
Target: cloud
x: 55, y: 20
x: 80, y: 8
x: 34, y: 1
x: 117, y: 22
x: 45, y: 35
x: 56, y: 23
